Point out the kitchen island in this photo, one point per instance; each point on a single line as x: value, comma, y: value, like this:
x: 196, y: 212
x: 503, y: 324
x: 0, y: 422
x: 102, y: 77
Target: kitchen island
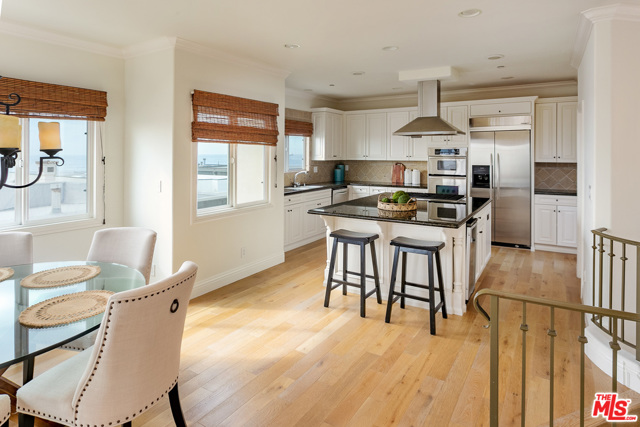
x: 434, y: 220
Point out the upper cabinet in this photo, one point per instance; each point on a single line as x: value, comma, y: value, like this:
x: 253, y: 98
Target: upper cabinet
x: 457, y: 115
x: 366, y: 136
x: 404, y: 148
x: 327, y: 142
x: 556, y: 132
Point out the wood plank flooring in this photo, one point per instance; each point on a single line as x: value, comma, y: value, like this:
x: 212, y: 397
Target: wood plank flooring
x: 265, y: 352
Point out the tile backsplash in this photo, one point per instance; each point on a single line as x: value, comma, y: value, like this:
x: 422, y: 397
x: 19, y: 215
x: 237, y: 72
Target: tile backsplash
x: 365, y: 170
x: 556, y: 176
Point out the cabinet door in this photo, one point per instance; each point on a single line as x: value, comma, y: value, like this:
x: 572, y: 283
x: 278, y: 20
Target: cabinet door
x: 318, y: 140
x: 356, y: 192
x: 546, y: 134
x: 440, y: 140
x: 356, y: 130
x: 481, y: 237
x: 567, y: 226
x: 397, y: 146
x: 567, y: 140
x: 459, y: 117
x: 545, y: 224
x: 418, y: 147
x: 376, y: 136
x: 334, y: 129
x: 293, y: 230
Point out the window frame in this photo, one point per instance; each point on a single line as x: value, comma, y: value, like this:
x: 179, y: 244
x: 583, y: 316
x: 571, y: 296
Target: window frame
x: 232, y: 207
x: 95, y: 181
x: 305, y: 166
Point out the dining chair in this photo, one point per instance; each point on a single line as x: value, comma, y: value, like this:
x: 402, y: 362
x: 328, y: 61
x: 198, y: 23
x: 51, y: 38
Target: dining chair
x: 5, y: 410
x: 16, y: 247
x: 130, y: 246
x: 134, y: 363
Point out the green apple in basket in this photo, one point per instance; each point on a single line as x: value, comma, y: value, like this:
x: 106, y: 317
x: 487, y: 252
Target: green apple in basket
x: 397, y: 195
x: 405, y: 198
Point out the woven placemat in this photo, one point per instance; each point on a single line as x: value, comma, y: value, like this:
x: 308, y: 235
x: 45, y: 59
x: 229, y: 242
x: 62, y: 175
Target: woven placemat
x: 65, y: 309
x: 60, y: 276
x: 6, y: 273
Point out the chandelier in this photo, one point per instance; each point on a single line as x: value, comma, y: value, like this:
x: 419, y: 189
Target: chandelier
x: 11, y: 139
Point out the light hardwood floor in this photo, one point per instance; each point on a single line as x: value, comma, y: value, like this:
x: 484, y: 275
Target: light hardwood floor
x: 265, y: 352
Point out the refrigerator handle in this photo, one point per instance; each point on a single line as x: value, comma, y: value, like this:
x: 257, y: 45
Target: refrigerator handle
x: 498, y: 169
x: 492, y: 170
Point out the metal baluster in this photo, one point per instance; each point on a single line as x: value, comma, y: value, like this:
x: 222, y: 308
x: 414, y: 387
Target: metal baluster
x: 611, y: 255
x: 495, y: 353
x: 524, y: 328
x: 601, y: 250
x: 583, y: 340
x: 593, y: 277
x: 623, y: 272
x: 552, y: 334
x: 615, y: 347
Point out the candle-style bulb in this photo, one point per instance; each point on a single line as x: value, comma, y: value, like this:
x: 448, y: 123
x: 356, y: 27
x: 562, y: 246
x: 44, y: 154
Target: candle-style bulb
x: 10, y: 132
x: 49, y: 136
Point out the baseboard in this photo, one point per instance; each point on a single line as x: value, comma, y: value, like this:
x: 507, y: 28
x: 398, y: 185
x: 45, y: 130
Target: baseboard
x: 560, y: 249
x: 230, y: 276
x: 304, y: 242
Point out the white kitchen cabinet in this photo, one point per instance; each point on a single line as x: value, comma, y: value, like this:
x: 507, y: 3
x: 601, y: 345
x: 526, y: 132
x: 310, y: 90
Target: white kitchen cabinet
x: 457, y: 115
x: 358, y: 191
x: 405, y: 148
x: 555, y: 226
x: 556, y: 132
x: 500, y: 108
x: 301, y: 227
x: 327, y: 142
x: 366, y: 136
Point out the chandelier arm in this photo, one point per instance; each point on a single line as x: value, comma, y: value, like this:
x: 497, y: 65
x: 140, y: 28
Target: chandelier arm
x: 11, y: 104
x: 42, y: 159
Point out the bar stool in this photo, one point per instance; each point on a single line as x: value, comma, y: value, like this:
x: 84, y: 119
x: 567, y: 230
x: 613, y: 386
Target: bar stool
x: 347, y: 237
x: 421, y: 247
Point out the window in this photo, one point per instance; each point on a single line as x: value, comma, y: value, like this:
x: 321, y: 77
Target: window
x: 234, y: 137
x: 295, y: 153
x: 63, y: 193
x: 296, y: 144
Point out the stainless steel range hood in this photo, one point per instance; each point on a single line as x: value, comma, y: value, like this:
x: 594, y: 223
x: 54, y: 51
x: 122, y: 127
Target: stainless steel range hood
x: 429, y: 123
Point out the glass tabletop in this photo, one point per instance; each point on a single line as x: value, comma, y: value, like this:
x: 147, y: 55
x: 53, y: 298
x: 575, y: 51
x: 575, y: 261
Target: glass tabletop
x: 18, y: 342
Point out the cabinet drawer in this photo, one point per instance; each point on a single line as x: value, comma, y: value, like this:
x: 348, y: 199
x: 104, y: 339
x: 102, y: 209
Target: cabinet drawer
x: 506, y: 108
x: 314, y: 195
x: 544, y: 199
x: 293, y: 199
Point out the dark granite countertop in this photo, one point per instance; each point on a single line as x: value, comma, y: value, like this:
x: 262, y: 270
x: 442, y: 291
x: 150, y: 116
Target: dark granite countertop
x: 556, y: 192
x: 429, y: 213
x: 333, y: 185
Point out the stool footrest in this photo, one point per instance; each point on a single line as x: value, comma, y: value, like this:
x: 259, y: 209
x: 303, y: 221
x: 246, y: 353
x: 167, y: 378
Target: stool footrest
x: 342, y: 282
x: 417, y: 285
x: 353, y: 273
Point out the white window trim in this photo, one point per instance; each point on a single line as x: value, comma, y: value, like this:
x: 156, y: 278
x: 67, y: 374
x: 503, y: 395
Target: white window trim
x: 95, y: 193
x: 219, y: 212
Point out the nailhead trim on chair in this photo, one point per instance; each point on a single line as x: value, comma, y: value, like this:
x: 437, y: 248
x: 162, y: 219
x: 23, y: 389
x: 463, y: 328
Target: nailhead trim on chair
x: 4, y: 417
x: 53, y: 418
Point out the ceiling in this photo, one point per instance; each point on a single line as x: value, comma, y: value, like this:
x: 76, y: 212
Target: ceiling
x: 340, y: 37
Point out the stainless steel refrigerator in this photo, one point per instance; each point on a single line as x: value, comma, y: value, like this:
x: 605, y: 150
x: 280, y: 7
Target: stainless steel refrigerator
x: 499, y: 160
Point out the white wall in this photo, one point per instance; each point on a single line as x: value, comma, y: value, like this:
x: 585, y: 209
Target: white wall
x: 39, y: 61
x: 215, y: 243
x: 149, y: 81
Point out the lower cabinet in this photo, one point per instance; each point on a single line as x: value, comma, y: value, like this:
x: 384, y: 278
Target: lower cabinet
x: 301, y: 227
x: 556, y: 226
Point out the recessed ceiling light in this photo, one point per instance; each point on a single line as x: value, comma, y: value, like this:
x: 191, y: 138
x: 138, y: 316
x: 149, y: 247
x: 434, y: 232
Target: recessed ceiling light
x: 396, y: 88
x: 358, y: 73
x: 507, y: 78
x: 496, y: 56
x: 389, y: 48
x: 331, y: 85
x: 500, y: 66
x: 308, y: 90
x: 291, y: 46
x: 469, y: 13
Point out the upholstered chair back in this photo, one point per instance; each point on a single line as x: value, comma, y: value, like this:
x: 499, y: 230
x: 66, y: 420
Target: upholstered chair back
x: 136, y: 357
x: 130, y: 246
x: 5, y: 409
x: 16, y: 247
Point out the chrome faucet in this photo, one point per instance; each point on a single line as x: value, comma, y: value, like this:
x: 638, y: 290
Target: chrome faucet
x: 295, y: 178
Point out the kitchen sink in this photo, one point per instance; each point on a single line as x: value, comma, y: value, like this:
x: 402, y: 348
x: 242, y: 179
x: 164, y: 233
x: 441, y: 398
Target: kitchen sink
x: 301, y: 188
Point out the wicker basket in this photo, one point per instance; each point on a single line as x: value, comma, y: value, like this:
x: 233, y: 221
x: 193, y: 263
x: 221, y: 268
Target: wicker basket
x: 396, y: 214
x: 411, y: 205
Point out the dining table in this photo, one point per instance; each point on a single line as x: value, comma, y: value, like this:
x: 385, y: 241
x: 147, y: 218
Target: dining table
x: 20, y: 343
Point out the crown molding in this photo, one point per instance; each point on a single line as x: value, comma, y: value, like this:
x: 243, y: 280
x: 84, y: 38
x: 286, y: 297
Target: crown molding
x: 494, y: 89
x: 199, y: 49
x: 412, y: 96
x: 617, y: 12
x: 148, y: 47
x: 307, y: 95
x: 58, y: 39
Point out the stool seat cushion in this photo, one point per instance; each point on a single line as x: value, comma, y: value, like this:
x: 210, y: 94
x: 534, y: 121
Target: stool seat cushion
x: 417, y: 244
x: 354, y: 236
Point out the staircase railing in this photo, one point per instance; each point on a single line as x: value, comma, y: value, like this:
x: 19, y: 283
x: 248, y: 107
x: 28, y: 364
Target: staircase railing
x: 603, y: 242
x: 614, y: 316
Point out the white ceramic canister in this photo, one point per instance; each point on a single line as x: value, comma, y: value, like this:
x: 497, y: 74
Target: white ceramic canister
x: 415, y: 177
x: 407, y: 177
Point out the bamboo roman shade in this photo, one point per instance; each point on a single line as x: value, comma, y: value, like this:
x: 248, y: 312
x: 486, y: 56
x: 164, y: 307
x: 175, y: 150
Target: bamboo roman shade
x: 229, y: 119
x: 53, y: 101
x: 298, y: 128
